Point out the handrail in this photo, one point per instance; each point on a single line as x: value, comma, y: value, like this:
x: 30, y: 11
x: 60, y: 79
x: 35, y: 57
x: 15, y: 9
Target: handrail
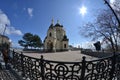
x: 34, y: 68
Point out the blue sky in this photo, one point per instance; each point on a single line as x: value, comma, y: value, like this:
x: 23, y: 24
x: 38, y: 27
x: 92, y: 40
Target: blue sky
x: 35, y: 16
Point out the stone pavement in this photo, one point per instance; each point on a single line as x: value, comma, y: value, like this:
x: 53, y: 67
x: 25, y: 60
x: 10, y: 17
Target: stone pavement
x: 70, y: 56
x: 7, y: 75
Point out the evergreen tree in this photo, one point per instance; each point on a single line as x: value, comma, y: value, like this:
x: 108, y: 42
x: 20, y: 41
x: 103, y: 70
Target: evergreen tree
x: 30, y: 40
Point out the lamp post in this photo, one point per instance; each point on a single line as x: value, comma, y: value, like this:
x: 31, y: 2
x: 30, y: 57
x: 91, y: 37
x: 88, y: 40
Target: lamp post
x: 3, y: 34
x: 2, y: 37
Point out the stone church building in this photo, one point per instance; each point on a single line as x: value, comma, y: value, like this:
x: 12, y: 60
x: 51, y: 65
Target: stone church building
x: 56, y: 39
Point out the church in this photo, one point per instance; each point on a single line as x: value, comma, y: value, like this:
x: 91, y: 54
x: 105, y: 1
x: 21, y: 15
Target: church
x: 56, y: 39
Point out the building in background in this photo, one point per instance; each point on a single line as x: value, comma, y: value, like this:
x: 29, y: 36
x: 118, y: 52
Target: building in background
x: 4, y: 41
x: 56, y: 39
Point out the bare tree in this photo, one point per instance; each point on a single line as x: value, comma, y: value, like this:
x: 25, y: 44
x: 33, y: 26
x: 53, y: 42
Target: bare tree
x: 105, y: 28
x: 116, y: 7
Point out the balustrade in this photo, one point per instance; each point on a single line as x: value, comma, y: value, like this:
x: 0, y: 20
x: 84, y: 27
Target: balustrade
x: 41, y: 69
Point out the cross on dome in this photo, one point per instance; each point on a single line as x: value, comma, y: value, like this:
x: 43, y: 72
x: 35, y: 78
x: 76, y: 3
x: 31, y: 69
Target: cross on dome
x: 58, y: 21
x: 52, y: 21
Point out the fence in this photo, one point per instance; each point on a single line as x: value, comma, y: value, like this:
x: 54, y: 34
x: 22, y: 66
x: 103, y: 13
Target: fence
x: 41, y: 69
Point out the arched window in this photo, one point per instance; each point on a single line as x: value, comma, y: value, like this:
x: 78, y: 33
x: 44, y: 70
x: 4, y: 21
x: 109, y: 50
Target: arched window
x: 50, y: 34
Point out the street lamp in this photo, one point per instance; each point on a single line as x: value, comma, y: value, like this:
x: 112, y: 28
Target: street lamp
x: 3, y: 33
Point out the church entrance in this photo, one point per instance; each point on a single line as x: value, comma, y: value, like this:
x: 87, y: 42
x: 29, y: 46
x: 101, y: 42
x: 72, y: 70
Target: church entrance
x: 50, y: 46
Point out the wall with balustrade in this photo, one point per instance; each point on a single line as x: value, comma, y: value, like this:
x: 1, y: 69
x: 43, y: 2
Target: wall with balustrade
x: 40, y: 69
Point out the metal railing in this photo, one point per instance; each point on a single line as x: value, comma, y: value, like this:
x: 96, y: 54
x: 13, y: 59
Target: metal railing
x: 41, y: 69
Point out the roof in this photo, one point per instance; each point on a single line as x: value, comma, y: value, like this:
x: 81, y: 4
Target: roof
x: 4, y: 36
x: 57, y: 24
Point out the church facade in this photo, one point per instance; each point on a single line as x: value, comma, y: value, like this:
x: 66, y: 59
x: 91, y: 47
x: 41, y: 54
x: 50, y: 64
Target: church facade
x: 56, y: 39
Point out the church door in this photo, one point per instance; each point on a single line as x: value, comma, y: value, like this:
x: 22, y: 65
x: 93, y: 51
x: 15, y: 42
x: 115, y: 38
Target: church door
x: 50, y: 46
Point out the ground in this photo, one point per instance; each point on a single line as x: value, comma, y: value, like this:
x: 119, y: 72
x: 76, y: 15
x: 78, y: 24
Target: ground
x: 70, y: 56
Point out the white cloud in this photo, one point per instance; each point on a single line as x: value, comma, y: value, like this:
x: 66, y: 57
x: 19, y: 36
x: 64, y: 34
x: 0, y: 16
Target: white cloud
x: 30, y: 11
x: 12, y: 30
x: 4, y: 19
x: 5, y: 23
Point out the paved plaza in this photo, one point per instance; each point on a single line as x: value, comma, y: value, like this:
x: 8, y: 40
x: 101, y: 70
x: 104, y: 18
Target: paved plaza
x: 69, y: 56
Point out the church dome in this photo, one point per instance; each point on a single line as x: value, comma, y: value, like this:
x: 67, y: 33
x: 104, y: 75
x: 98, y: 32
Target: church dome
x: 57, y: 24
x: 65, y: 38
x: 61, y: 25
x: 51, y: 26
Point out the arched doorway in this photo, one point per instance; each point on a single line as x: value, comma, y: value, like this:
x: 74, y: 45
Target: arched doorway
x: 50, y: 46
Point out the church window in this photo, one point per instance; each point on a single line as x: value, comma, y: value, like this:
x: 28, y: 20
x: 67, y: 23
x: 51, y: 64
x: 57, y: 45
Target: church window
x: 50, y: 34
x: 64, y: 45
